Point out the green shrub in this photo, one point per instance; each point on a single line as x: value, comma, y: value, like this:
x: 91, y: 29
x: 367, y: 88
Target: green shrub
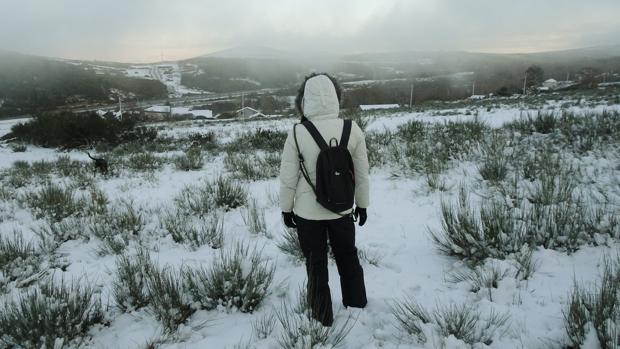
x: 42, y: 168
x: 564, y: 226
x: 195, y: 199
x: 68, y: 130
x: 18, y: 148
x: 67, y: 167
x: 598, y: 307
x: 49, y: 316
x: 19, y: 175
x: 480, y: 278
x: 185, y: 231
x: 300, y: 330
x: 254, y: 219
x: 264, y: 325
x: 494, y: 163
x: 116, y: 227
x: 290, y: 245
x: 223, y: 192
x: 191, y: 160
x: 144, y: 162
x: 543, y: 122
x: 464, y: 322
x: 253, y: 166
x: 429, y: 148
x: 54, y: 233
x: 239, y: 278
x: 228, y: 193
x: 168, y: 302
x: 54, y: 201
x: 130, y: 285
x: 204, y: 141
x: 18, y: 259
x: 496, y: 231
x: 260, y: 139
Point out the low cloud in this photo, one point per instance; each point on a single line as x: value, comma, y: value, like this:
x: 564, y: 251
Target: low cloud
x: 144, y: 30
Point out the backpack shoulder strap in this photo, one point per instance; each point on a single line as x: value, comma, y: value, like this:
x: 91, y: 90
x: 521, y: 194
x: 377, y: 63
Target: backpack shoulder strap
x: 315, y: 134
x: 346, y: 133
x: 302, y: 165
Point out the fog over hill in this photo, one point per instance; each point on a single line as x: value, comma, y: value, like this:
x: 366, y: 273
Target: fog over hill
x: 29, y: 83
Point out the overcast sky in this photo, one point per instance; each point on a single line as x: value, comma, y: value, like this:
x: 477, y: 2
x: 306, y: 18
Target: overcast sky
x: 140, y: 30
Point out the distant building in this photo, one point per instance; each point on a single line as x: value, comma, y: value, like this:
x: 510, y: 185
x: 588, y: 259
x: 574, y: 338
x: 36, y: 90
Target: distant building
x: 248, y: 113
x: 161, y: 112
x: 158, y: 112
x: 550, y: 84
x: 378, y: 106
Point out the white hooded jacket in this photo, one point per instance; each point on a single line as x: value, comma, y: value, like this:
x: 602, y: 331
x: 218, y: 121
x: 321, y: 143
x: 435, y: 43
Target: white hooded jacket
x: 320, y: 105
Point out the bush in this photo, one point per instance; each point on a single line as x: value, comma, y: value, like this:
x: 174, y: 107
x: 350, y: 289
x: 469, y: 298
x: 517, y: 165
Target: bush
x: 495, y: 163
x: 564, y: 226
x: 264, y: 326
x: 239, y: 278
x: 42, y: 168
x: 144, y: 162
x: 191, y: 160
x: 597, y: 309
x: 463, y: 322
x: 260, y: 139
x: 50, y: 316
x: 204, y: 141
x: 116, y: 227
x: 290, y: 245
x: 300, y: 330
x: 54, y: 202
x: 167, y: 300
x: 254, y: 219
x: 227, y: 193
x: 68, y: 130
x: 556, y: 183
x: 130, y: 285
x: 429, y: 148
x: 67, y: 167
x: 54, y: 233
x: 18, y: 259
x: 253, y: 166
x: 183, y: 230
x: 480, y: 278
x: 495, y: 232
x: 196, y: 200
x: 223, y: 192
x: 543, y: 122
x: 18, y: 148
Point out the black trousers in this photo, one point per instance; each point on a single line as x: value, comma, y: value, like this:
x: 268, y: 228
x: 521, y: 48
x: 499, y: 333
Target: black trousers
x: 313, y: 237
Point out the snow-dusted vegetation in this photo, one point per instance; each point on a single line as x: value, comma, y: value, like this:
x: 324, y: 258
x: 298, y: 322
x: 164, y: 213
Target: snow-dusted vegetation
x: 492, y: 224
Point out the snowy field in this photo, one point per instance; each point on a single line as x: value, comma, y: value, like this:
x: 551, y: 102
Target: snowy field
x: 168, y: 73
x: 399, y: 257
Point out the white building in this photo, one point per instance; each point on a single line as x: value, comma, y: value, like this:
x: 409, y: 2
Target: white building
x: 550, y: 84
x: 248, y: 113
x: 378, y: 106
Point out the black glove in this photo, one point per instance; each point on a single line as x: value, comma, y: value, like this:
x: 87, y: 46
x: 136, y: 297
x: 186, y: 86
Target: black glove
x: 289, y: 219
x: 360, y: 215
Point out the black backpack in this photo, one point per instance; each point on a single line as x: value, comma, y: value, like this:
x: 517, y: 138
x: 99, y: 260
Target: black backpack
x: 335, y: 176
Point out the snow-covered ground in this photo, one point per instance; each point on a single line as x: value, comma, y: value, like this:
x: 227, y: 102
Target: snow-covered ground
x: 401, y: 213
x: 168, y: 73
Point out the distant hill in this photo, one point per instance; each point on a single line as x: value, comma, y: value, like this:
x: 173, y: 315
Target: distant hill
x: 31, y: 83
x: 252, y: 67
x: 250, y: 51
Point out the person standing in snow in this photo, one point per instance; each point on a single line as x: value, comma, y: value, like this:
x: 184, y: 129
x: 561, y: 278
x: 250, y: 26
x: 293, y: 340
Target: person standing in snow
x: 318, y: 101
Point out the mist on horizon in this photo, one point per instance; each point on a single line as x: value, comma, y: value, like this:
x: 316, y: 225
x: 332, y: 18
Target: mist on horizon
x: 148, y: 31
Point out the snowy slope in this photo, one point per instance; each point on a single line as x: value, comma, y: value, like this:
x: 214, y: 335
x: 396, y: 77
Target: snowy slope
x: 402, y: 212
